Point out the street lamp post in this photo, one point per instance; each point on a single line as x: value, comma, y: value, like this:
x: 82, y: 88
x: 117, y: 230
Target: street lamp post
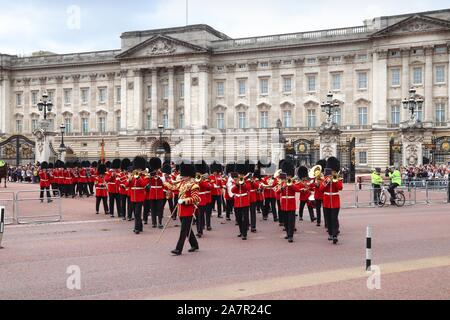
x: 328, y: 108
x: 45, y: 105
x: 413, y: 104
x: 63, y: 130
x: 160, y: 150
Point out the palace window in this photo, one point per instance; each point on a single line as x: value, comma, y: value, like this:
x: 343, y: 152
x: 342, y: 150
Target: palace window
x: 264, y: 64
x: 148, y: 121
x: 102, y: 124
x: 417, y: 76
x: 419, y: 112
x: 242, y: 120
x: 362, y: 57
x: 440, y: 75
x: 182, y: 90
x: 34, y: 124
x: 311, y: 83
x: 166, y: 120
x: 336, y: 59
x: 395, y: 53
x: 362, y: 116
x: 220, y: 120
x: 165, y: 88
x: 395, y: 77
x: 84, y: 96
x: 311, y: 60
x: 19, y: 99
x: 363, y: 157
x: 287, y: 84
x: 18, y: 126
x: 336, y: 81
x: 149, y: 92
x: 242, y: 66
x: 220, y: 89
x: 181, y: 121
x: 118, y: 123
x: 67, y: 96
x: 242, y: 87
x: 337, y: 116
x: 440, y: 113
x: 102, y: 95
x: 51, y: 124
x: 395, y: 114
x: 118, y: 94
x: 34, y: 98
x: 362, y: 80
x: 264, y: 119
x: 264, y: 86
x: 68, y: 125
x: 311, y: 118
x: 440, y: 50
x: 287, y: 117
x: 51, y: 95
x: 84, y: 125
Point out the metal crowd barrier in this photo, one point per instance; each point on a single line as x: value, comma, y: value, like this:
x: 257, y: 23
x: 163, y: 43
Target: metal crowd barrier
x: 7, y: 200
x: 31, y: 209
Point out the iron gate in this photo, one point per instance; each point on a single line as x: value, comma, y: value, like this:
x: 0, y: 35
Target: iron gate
x: 17, y: 150
x: 441, y: 151
x: 304, y: 153
x: 347, y: 157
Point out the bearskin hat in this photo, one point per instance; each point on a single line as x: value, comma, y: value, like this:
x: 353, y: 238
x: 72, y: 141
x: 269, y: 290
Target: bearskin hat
x: 333, y: 164
x: 201, y: 167
x: 116, y: 164
x: 87, y: 164
x: 241, y: 168
x: 216, y: 167
x: 167, y: 169
x: 108, y: 164
x: 323, y: 164
x: 155, y: 164
x: 126, y: 163
x: 288, y: 168
x: 139, y: 163
x: 302, y: 172
x: 187, y: 169
x: 280, y: 164
x: 101, y: 169
x: 94, y: 164
x: 230, y: 168
x: 51, y: 165
x: 44, y: 165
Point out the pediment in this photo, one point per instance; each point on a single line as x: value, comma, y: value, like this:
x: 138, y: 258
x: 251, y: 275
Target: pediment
x: 160, y: 45
x: 414, y: 24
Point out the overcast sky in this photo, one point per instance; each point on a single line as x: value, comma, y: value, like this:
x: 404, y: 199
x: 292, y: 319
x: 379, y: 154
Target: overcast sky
x: 27, y: 26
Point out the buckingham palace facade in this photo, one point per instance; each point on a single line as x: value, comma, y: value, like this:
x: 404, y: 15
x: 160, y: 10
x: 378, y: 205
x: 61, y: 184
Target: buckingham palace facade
x: 198, y: 77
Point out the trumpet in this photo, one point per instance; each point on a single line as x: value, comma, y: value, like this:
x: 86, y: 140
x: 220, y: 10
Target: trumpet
x: 241, y: 180
x: 200, y: 177
x: 290, y: 182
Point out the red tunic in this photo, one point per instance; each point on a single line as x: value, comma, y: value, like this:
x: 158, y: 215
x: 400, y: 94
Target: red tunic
x: 156, y: 189
x: 101, y: 189
x: 68, y: 177
x: 44, y: 178
x: 110, y: 178
x: 216, y: 182
x: 287, y: 197
x: 318, y: 194
x: 93, y: 174
x: 123, y: 190
x: 268, y: 192
x: 331, y: 198
x: 254, y: 186
x: 205, y: 193
x: 305, y: 192
x: 188, y: 191
x: 82, y: 176
x: 241, y: 195
x: 137, y: 189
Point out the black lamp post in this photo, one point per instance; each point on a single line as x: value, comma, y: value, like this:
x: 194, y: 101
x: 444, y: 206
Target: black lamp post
x: 45, y: 105
x: 160, y: 150
x: 329, y: 107
x: 63, y: 130
x: 412, y: 104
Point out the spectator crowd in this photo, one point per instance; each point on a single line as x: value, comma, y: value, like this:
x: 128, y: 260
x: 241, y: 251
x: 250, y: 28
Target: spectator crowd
x: 23, y: 174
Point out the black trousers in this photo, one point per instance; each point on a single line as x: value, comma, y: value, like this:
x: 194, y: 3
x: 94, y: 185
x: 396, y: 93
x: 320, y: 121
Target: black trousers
x: 289, y: 223
x: 229, y: 208
x: 97, y: 204
x: 147, y: 208
x: 130, y: 208
x: 242, y: 219
x: 391, y: 189
x: 174, y: 209
x: 217, y: 200
x: 82, y: 189
x: 270, y: 203
x: 201, y: 216
x: 137, y: 210
x: 55, y: 189
x: 186, y: 232
x: 376, y: 193
x: 280, y: 214
x: 157, y: 210
x: 332, y: 215
x: 42, y: 193
x: 259, y: 206
x: 114, y: 197
x: 123, y: 205
x: 319, y: 211
x: 302, y: 208
x: 253, y: 215
x: 208, y: 214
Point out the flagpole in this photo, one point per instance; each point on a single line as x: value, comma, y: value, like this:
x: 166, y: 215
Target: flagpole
x: 187, y: 12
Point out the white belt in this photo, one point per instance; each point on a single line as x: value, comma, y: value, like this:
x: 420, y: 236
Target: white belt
x: 110, y: 182
x: 331, y: 193
x: 137, y: 188
x: 252, y: 190
x: 240, y: 195
x: 203, y: 193
x: 291, y: 197
x: 156, y: 187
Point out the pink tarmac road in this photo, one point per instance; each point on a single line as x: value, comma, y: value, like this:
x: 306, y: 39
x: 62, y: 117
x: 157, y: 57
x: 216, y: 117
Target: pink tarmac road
x: 411, y: 245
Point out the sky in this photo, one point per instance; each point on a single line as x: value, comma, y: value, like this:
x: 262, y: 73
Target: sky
x: 89, y: 25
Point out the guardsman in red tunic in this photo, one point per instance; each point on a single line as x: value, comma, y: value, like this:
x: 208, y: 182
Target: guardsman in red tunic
x: 173, y: 178
x: 305, y: 193
x: 101, y: 190
x: 216, y: 181
x: 68, y: 180
x: 269, y: 182
x: 45, y: 182
x: 123, y: 190
x: 113, y: 179
x: 204, y: 192
x: 317, y: 176
x: 253, y: 192
x: 91, y: 178
x: 138, y: 184
x: 227, y: 186
x: 156, y: 196
x: 287, y: 191
x: 331, y: 186
x: 187, y: 205
x: 241, y: 191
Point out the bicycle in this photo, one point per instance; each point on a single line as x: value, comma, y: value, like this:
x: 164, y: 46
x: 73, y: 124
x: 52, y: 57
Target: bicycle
x: 400, y: 198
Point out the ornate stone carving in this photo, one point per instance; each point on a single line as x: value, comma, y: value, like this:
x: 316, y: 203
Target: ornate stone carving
x: 111, y: 75
x: 161, y: 47
x: 231, y: 67
x: 327, y: 151
x: 252, y: 66
x: 26, y: 81
x: 123, y: 73
x: 204, y: 67
x: 299, y: 62
x: 412, y: 155
x: 76, y: 78
x: 93, y: 76
x: 323, y: 60
x: 42, y: 81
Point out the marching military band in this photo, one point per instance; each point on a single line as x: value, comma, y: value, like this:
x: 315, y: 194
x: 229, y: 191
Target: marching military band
x: 138, y: 190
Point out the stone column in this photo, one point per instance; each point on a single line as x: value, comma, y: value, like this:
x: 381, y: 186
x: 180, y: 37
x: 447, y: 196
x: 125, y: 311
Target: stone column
x: 405, y: 81
x: 187, y: 96
x: 154, y: 102
x: 59, y: 101
x: 379, y: 87
x: 253, y: 85
x: 93, y: 92
x: 138, y: 106
x: 203, y: 98
x: 5, y: 103
x: 110, y: 122
x: 171, y: 100
x: 299, y: 119
x: 448, y: 83
x: 428, y: 112
x: 231, y: 93
x: 76, y: 103
x: 26, y: 122
x: 412, y: 142
x: 123, y: 101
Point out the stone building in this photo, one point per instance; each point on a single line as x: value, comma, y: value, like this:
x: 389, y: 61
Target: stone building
x: 198, y: 78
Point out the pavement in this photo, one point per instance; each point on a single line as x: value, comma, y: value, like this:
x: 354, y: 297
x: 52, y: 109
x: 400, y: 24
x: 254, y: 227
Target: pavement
x: 411, y: 246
